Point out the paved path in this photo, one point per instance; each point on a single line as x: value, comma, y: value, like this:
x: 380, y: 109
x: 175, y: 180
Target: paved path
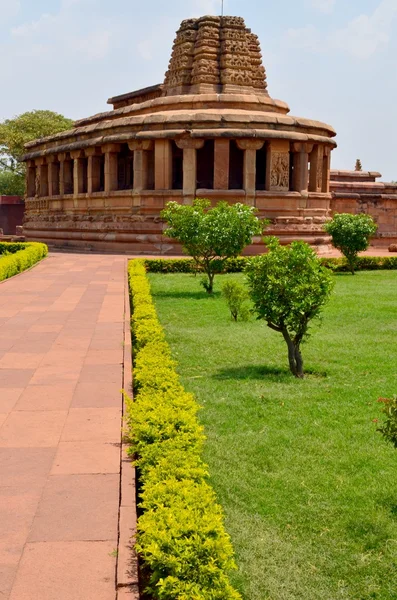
x: 61, y: 355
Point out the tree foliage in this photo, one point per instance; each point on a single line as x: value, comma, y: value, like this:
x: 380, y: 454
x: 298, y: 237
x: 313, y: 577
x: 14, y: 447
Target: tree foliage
x: 11, y: 183
x: 29, y: 126
x: 289, y: 288
x: 358, y: 166
x: 389, y: 427
x: 211, y: 235
x: 351, y: 234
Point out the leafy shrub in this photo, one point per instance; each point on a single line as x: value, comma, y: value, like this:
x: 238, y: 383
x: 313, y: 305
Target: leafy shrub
x: 181, y: 538
x: 15, y: 258
x: 236, y: 296
x: 389, y: 428
x: 351, y: 234
x: 212, y: 235
x: 238, y: 264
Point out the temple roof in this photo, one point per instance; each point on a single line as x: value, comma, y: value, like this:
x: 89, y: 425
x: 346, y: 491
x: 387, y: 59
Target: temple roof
x: 215, y: 52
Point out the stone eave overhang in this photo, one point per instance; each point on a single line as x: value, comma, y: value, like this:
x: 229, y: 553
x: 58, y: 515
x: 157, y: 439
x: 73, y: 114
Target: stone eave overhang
x: 265, y: 134
x: 216, y: 121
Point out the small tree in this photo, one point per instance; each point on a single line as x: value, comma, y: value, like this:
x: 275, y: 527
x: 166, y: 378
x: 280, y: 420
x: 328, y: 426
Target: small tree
x: 350, y: 234
x: 389, y: 427
x: 211, y: 235
x: 358, y: 166
x: 289, y: 287
x: 236, y: 296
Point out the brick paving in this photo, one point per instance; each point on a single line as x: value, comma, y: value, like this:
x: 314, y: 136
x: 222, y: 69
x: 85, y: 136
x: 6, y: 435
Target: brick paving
x: 61, y: 374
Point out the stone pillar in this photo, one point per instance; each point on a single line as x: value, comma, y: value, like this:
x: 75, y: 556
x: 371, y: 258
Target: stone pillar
x: 79, y: 172
x: 65, y: 174
x: 53, y: 175
x: 316, y: 169
x: 277, y: 166
x: 141, y: 149
x: 42, y: 180
x: 221, y: 166
x: 31, y: 179
x: 162, y: 165
x: 300, y: 181
x: 189, y: 147
x: 93, y: 170
x: 250, y: 148
x: 326, y: 170
x: 111, y: 171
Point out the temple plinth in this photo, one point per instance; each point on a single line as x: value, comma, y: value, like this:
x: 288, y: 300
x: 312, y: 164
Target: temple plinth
x: 210, y: 130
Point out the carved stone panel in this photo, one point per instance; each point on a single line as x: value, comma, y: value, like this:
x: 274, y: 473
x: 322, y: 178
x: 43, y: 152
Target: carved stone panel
x: 279, y: 174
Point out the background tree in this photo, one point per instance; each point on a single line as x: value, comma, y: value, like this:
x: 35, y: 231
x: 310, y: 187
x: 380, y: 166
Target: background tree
x: 211, y: 235
x: 351, y: 234
x: 11, y: 183
x: 358, y: 166
x: 289, y: 288
x: 16, y: 132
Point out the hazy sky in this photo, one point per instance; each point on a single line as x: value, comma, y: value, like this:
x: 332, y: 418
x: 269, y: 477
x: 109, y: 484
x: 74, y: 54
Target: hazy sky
x: 332, y: 60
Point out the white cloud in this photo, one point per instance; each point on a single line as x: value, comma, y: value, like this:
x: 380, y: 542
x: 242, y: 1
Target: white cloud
x: 56, y: 34
x: 366, y: 34
x: 324, y: 6
x: 361, y: 38
x: 9, y: 9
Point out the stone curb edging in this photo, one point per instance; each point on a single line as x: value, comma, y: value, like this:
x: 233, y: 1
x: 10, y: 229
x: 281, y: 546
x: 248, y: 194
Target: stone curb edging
x: 127, y: 583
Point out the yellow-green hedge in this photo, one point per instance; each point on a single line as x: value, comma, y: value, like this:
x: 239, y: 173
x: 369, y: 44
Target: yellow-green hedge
x: 181, y: 537
x: 14, y: 260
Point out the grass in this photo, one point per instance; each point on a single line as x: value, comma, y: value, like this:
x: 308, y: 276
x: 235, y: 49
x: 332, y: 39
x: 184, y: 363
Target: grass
x: 308, y: 487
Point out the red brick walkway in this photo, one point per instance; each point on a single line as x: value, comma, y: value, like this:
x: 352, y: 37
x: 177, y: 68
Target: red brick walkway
x: 61, y: 355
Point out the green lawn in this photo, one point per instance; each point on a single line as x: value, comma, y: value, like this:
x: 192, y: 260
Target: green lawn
x: 308, y: 487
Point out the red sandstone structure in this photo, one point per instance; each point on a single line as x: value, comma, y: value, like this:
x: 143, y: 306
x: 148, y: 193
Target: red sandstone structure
x: 210, y: 130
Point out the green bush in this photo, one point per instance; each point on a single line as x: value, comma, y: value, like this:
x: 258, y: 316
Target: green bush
x: 351, y: 234
x: 237, y: 265
x: 236, y: 296
x: 181, y: 537
x: 389, y: 427
x: 15, y: 258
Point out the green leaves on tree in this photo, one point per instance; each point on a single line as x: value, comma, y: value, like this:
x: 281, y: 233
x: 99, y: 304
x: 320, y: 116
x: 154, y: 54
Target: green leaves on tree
x: 351, y: 234
x: 289, y: 288
x: 212, y: 235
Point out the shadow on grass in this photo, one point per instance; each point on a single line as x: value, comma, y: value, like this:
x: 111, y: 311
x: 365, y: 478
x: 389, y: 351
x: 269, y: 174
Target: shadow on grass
x: 186, y: 295
x: 254, y: 372
x: 278, y: 374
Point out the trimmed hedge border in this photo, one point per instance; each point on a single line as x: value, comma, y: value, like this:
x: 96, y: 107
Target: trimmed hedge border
x: 236, y: 265
x: 181, y: 539
x: 17, y: 257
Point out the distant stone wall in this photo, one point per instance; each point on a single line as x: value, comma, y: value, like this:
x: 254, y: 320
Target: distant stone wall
x: 12, y: 210
x: 359, y: 192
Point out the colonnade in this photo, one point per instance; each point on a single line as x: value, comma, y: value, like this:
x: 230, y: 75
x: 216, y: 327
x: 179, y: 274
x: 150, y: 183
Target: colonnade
x: 186, y: 163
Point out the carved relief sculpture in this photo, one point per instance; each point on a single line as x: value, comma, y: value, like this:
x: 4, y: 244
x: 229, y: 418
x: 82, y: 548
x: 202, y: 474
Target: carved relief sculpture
x: 279, y: 176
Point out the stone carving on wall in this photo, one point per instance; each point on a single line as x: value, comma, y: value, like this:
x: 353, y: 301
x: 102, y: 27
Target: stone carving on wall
x: 279, y: 175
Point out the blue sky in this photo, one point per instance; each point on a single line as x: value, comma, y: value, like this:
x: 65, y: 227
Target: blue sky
x: 332, y: 60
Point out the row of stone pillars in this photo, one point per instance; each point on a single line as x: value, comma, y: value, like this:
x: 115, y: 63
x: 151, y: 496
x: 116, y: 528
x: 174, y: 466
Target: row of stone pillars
x: 299, y: 167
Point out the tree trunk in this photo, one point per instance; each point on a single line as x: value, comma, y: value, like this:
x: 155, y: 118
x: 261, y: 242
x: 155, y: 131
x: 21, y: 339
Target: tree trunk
x: 210, y: 287
x: 294, y: 355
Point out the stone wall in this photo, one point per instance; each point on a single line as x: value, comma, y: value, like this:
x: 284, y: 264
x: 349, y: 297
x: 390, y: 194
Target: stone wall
x: 360, y: 192
x: 12, y: 209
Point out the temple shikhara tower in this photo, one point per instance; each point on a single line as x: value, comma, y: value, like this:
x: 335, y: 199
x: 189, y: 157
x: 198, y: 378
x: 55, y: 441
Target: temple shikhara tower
x: 211, y: 130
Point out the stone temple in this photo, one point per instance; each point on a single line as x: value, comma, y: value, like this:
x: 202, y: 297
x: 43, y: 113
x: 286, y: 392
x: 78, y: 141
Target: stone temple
x: 210, y: 130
